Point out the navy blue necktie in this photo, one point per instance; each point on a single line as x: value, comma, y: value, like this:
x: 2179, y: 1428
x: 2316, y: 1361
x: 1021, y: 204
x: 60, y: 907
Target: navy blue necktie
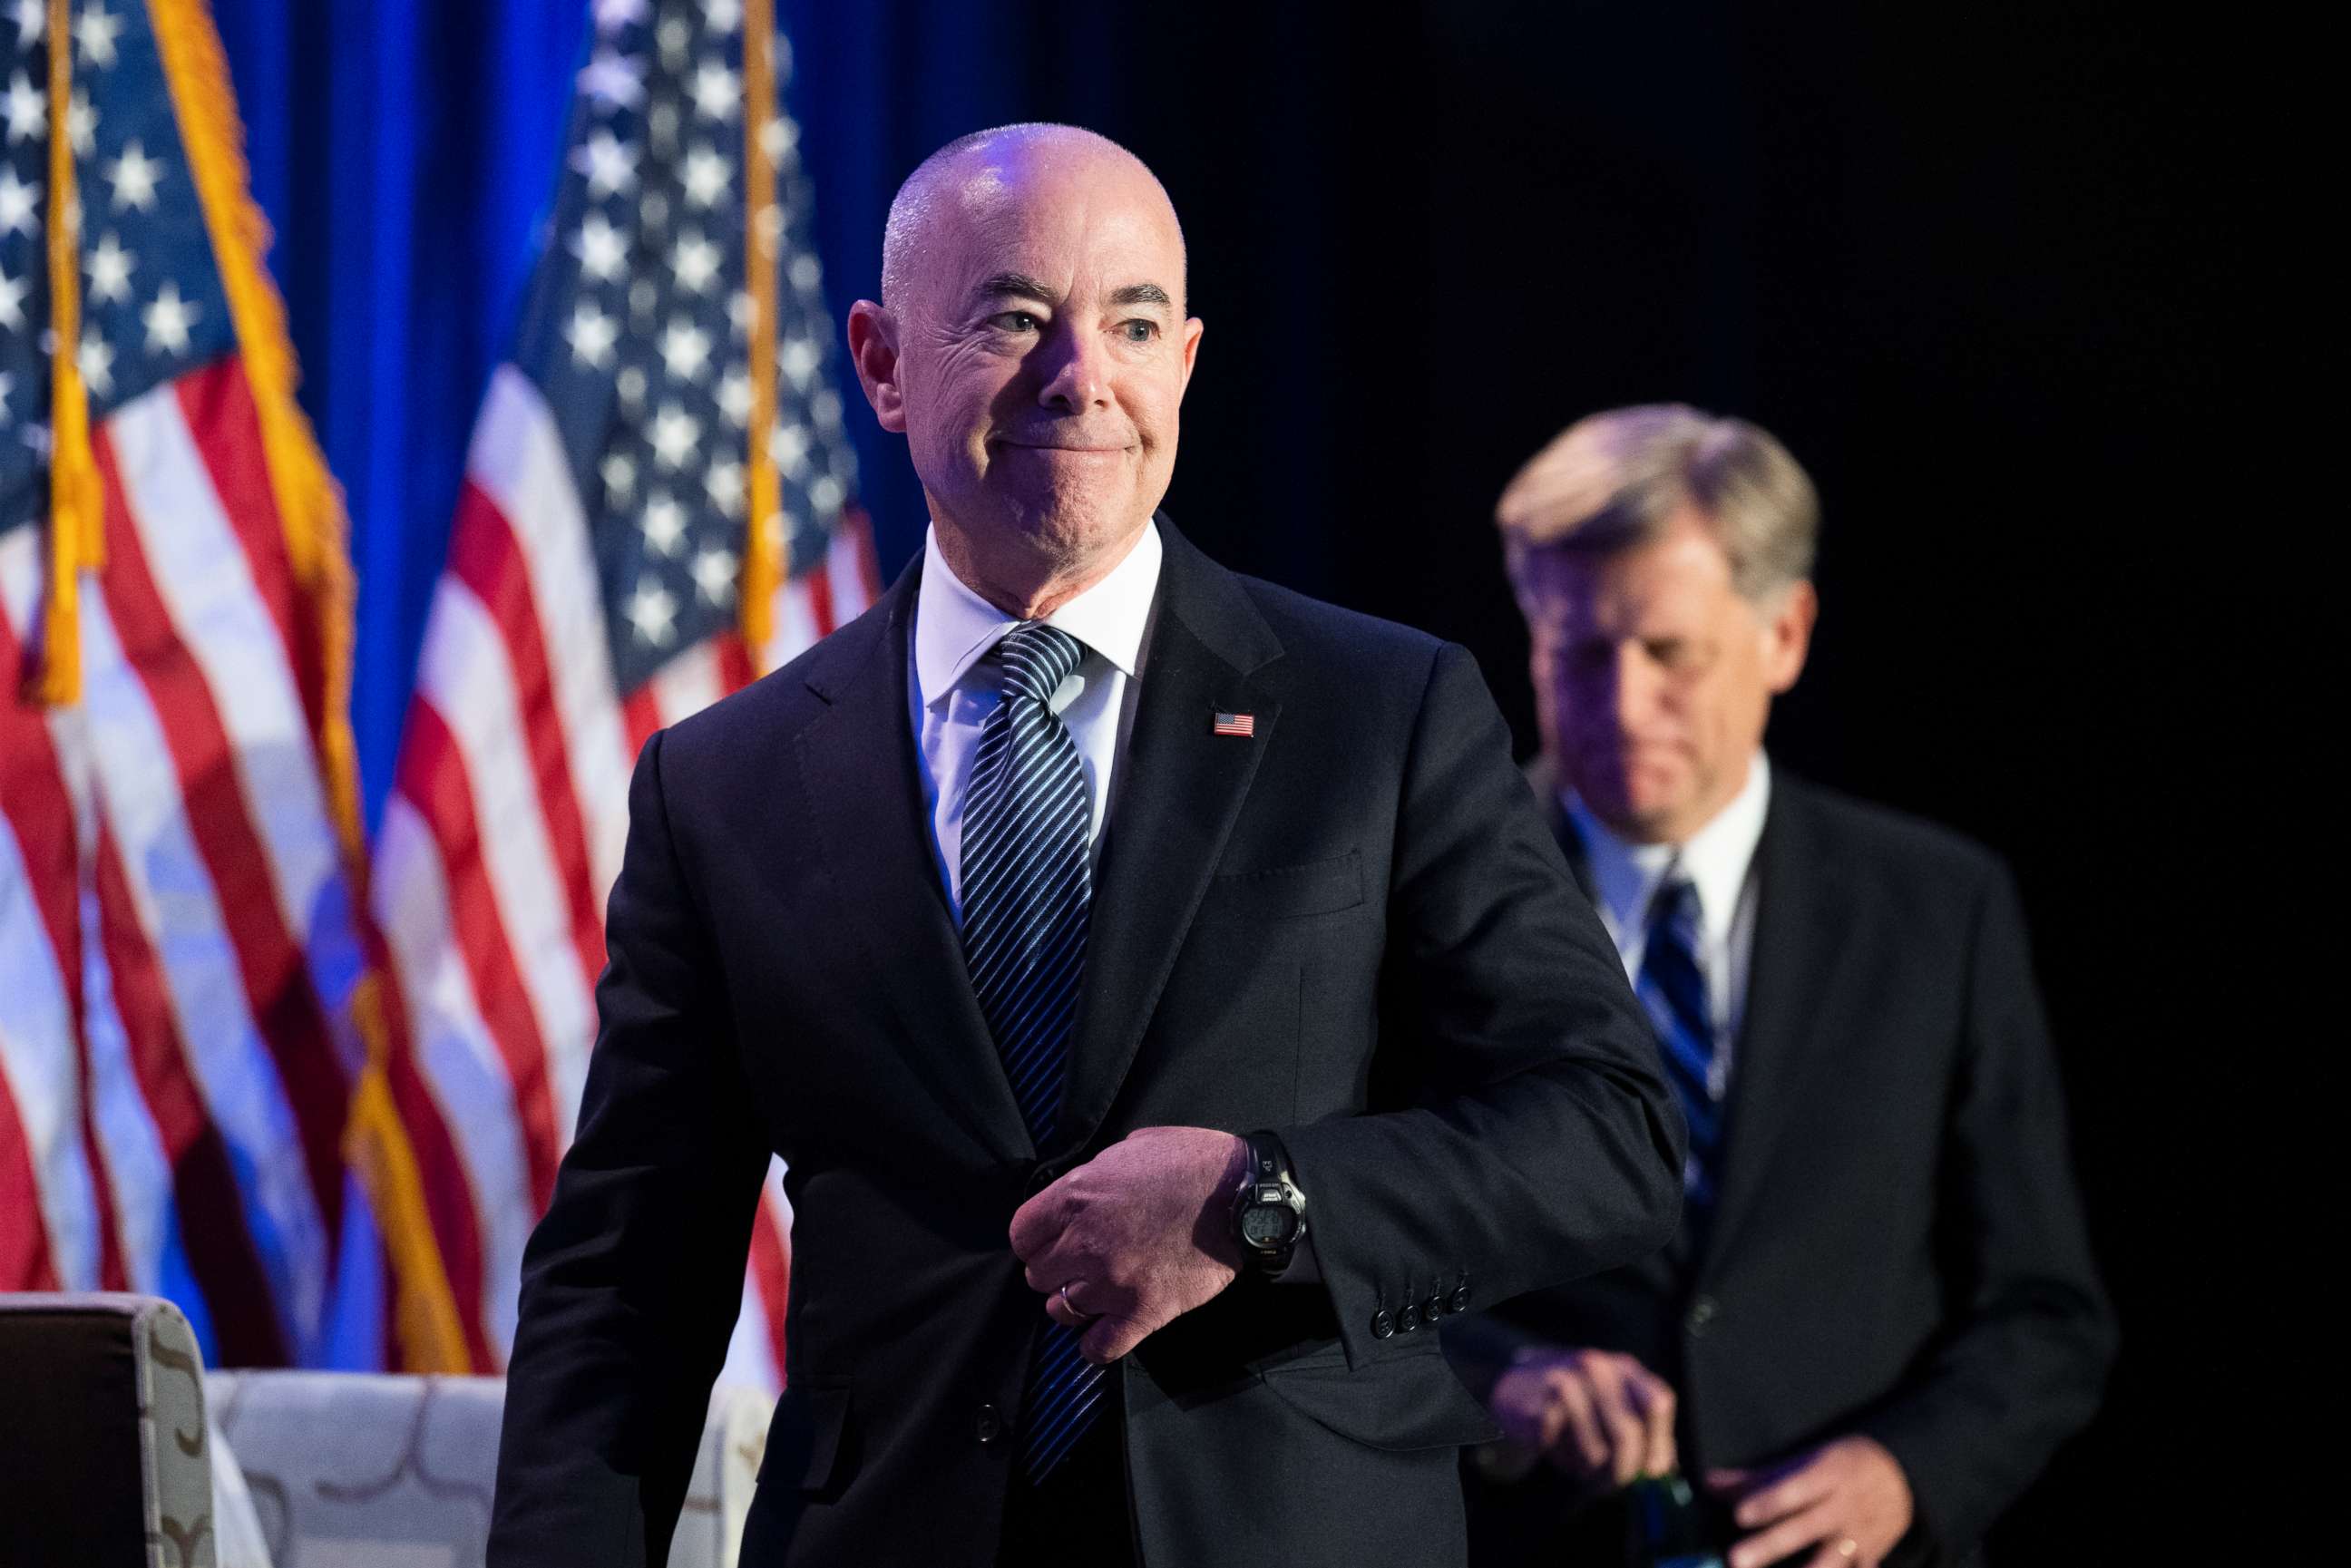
x: 1672, y: 987
x: 1026, y: 885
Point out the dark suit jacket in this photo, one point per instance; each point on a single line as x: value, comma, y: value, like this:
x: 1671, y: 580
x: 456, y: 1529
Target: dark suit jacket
x: 1355, y: 929
x: 1898, y: 1248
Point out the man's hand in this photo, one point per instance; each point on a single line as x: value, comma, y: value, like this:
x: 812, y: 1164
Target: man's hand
x: 1135, y: 1238
x: 1849, y: 1498
x: 1602, y: 1419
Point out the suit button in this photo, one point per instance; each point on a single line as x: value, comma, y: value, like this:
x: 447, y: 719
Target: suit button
x: 990, y: 1425
x: 1432, y: 1309
x: 1382, y: 1323
x: 1700, y: 1316
x: 1409, y: 1319
x: 1040, y: 1180
x: 1459, y: 1300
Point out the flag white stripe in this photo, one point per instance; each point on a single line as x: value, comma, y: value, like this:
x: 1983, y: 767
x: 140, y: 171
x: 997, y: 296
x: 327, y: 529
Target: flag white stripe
x: 794, y: 629
x: 178, y: 909
x: 200, y: 571
x: 517, y: 461
x: 689, y: 683
x: 455, y: 1057
x: 464, y: 675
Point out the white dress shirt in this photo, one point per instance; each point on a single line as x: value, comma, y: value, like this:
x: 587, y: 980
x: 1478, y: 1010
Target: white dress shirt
x: 1720, y: 861
x: 950, y: 696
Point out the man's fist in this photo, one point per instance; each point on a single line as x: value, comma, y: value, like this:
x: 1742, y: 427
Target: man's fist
x: 1602, y: 1417
x: 1135, y: 1238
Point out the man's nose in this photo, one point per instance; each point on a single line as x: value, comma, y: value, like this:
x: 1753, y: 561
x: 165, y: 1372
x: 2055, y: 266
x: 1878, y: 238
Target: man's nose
x: 1074, y: 372
x: 1635, y: 689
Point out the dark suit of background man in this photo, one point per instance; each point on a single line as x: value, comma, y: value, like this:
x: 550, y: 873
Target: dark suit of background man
x: 1001, y: 915
x: 1880, y: 1316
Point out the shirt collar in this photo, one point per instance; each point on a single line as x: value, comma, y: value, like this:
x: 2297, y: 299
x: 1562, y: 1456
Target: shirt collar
x: 1716, y: 858
x: 954, y: 627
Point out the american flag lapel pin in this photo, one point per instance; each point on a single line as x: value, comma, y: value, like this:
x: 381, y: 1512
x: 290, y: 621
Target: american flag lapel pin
x: 1241, y: 724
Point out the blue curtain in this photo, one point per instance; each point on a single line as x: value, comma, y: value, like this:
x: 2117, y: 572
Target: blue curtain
x: 405, y: 155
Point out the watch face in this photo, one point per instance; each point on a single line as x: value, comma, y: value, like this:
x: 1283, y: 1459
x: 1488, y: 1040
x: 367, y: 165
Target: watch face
x: 1267, y: 1226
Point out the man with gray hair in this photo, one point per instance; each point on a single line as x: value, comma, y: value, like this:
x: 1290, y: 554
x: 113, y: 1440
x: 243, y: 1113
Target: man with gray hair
x: 1879, y: 1317
x: 1164, y: 994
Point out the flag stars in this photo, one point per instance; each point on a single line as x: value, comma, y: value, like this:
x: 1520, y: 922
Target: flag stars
x: 695, y: 261
x: 631, y: 384
x: 619, y: 473
x: 611, y: 16
x: 714, y: 576
x: 675, y: 432
x: 19, y: 201
x: 96, y: 31
x: 663, y: 525
x: 613, y: 78
x: 610, y: 164
x: 716, y: 92
x: 706, y: 177
x: 97, y: 362
x: 800, y: 359
x: 675, y: 36
x: 788, y: 448
x: 684, y: 349
x: 32, y: 17
x: 591, y: 335
x: 133, y: 176
x: 724, y: 16
x: 735, y: 398
x: 661, y: 128
x: 652, y: 613
x: 169, y: 319
x: 110, y: 266
x: 8, y: 385
x: 724, y: 485
x: 81, y: 124
x: 602, y: 249
x: 12, y: 299
x: 655, y: 210
x: 27, y: 110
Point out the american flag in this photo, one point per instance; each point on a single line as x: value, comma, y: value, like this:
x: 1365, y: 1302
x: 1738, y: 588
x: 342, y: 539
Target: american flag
x: 179, y: 840
x: 600, y: 584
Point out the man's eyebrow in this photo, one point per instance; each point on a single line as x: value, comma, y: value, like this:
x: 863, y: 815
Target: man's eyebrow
x: 1015, y: 286
x: 1140, y: 294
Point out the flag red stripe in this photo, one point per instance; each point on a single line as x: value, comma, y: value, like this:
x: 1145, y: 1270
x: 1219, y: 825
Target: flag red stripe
x: 640, y: 716
x: 449, y: 1199
x: 40, y: 814
x: 217, y: 404
x: 484, y: 555
x: 433, y: 779
x: 220, y: 1249
x: 284, y: 1005
x: 771, y: 1268
x: 24, y: 1260
x: 735, y: 671
x: 819, y: 583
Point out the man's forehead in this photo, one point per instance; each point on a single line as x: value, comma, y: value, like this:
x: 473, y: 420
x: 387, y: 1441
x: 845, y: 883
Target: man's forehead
x: 1105, y: 228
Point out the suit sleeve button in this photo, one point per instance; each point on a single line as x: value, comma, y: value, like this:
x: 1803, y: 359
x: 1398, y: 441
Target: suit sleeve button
x: 1409, y: 1319
x: 1700, y: 1316
x: 990, y: 1425
x: 1382, y: 1323
x: 1459, y: 1300
x: 1432, y: 1309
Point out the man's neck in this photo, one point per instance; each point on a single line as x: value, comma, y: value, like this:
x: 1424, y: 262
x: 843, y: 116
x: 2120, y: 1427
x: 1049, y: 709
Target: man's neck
x: 1021, y: 583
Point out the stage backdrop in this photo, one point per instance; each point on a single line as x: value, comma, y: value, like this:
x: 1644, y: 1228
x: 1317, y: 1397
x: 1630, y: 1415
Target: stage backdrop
x: 1984, y: 271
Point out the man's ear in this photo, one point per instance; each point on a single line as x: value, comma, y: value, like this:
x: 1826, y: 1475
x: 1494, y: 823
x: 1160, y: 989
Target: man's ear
x: 1788, y: 636
x: 874, y: 350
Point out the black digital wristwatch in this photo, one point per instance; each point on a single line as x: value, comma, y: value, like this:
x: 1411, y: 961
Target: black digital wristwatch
x: 1269, y: 1211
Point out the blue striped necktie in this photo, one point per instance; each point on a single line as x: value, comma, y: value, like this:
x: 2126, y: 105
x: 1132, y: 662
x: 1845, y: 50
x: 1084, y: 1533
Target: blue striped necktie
x: 1027, y: 884
x: 1672, y: 987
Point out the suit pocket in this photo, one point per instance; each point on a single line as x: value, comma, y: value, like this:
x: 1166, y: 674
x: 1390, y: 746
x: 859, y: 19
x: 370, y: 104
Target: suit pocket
x: 808, y: 1434
x: 1399, y: 1403
x: 1288, y: 891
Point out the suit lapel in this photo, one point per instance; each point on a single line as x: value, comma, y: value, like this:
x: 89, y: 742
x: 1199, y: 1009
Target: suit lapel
x: 1177, y: 793
x: 858, y: 761
x: 1802, y: 923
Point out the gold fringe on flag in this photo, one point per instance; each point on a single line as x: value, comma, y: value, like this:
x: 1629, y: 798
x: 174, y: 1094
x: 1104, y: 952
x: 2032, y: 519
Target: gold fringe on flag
x: 310, y: 507
x: 763, y: 546
x: 76, y: 500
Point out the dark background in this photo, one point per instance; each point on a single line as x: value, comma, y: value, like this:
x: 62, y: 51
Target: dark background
x: 1989, y: 273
